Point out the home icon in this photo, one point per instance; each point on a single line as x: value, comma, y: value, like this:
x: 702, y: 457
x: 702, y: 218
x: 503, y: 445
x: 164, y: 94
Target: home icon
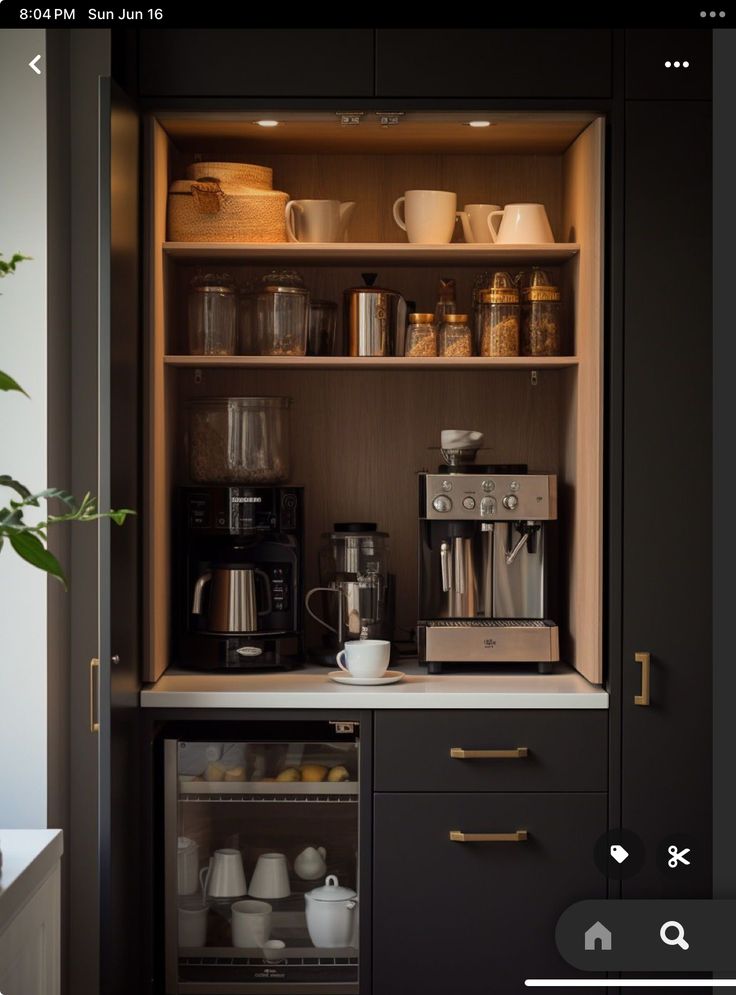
x: 598, y: 937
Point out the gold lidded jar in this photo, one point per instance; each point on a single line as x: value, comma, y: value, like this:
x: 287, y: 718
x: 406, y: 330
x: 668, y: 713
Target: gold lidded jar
x: 421, y: 336
x: 455, y: 336
x: 541, y: 316
x: 500, y: 317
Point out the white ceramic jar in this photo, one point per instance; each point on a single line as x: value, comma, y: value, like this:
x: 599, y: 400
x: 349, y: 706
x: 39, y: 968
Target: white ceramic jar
x: 332, y: 914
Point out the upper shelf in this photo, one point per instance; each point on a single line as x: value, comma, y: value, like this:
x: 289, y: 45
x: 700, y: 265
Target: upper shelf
x: 368, y: 252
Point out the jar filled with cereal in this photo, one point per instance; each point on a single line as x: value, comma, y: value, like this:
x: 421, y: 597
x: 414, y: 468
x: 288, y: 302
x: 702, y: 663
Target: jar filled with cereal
x: 455, y: 337
x: 500, y: 318
x: 541, y: 316
x: 421, y: 335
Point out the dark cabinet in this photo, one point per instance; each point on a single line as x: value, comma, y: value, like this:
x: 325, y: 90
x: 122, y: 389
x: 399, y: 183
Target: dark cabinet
x: 488, y: 62
x: 649, y: 77
x: 256, y: 62
x: 666, y: 755
x: 493, y: 750
x: 475, y: 917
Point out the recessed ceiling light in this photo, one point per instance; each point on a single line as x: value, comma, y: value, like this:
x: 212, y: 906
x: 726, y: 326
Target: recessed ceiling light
x: 479, y: 124
x: 267, y: 123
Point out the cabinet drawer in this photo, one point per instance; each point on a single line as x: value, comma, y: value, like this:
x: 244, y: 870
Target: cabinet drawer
x: 531, y: 751
x: 478, y: 917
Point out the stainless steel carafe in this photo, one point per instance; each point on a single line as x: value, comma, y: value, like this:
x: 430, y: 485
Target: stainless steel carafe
x: 232, y: 605
x: 375, y: 320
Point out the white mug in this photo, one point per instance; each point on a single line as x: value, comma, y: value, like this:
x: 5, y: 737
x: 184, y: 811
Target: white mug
x: 193, y: 927
x: 187, y: 866
x: 429, y: 215
x: 224, y: 877
x: 521, y: 224
x: 251, y: 923
x: 365, y: 657
x: 476, y: 223
x: 318, y: 220
x: 271, y: 877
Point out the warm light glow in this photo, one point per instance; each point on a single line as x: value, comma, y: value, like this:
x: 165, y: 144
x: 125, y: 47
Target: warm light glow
x: 268, y: 124
x: 479, y: 124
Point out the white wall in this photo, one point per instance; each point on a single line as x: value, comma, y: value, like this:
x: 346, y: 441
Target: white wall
x: 23, y: 455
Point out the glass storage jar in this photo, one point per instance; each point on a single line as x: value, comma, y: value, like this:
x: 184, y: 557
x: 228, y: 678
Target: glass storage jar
x: 455, y: 337
x: 500, y: 318
x: 322, y: 327
x: 281, y: 313
x: 239, y: 440
x: 541, y: 316
x: 421, y: 336
x: 212, y: 315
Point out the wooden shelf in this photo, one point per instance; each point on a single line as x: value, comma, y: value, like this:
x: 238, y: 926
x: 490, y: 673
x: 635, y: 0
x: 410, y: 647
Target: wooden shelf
x: 367, y: 252
x: 374, y: 362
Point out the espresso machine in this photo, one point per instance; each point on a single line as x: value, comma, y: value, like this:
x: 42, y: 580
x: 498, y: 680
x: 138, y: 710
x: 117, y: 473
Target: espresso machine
x: 238, y: 577
x: 483, y: 563
x: 355, y: 586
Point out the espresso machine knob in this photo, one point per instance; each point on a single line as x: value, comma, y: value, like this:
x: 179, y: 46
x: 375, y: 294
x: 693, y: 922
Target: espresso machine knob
x: 511, y: 502
x: 442, y: 503
x: 488, y: 506
x: 468, y: 503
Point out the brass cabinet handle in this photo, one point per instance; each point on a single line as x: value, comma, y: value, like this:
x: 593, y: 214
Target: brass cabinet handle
x: 520, y: 836
x: 645, y: 659
x: 459, y: 753
x: 94, y: 668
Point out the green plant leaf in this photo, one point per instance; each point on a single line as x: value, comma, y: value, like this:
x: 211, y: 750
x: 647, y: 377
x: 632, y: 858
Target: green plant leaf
x: 31, y: 549
x: 7, y: 383
x: 7, y: 481
x: 9, y: 267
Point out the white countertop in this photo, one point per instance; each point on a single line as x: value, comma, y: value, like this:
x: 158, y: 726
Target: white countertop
x: 29, y: 855
x: 311, y: 688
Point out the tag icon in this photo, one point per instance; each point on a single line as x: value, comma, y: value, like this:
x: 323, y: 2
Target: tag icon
x: 619, y: 853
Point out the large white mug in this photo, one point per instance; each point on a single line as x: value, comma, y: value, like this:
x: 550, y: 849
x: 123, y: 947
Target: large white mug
x: 271, y: 877
x: 251, y: 923
x: 193, y: 926
x: 318, y: 220
x: 521, y: 224
x: 476, y: 223
x: 187, y: 866
x: 429, y: 215
x: 224, y: 877
x: 365, y: 657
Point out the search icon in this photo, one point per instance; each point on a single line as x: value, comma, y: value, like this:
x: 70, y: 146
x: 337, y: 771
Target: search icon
x: 678, y: 940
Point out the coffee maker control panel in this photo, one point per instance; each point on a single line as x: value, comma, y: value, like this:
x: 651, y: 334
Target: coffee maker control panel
x: 501, y: 497
x: 239, y: 510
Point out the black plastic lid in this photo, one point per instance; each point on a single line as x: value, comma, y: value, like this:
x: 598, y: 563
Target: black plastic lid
x: 355, y: 527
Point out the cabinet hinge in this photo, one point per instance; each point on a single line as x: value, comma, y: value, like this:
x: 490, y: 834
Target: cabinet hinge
x: 349, y: 119
x: 387, y: 119
x: 346, y: 728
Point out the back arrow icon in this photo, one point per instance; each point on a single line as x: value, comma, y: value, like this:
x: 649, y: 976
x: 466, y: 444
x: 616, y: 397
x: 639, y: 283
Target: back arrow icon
x: 33, y: 65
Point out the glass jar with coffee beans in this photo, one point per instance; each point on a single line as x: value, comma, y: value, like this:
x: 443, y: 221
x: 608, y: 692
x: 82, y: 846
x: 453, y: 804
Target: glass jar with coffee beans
x: 455, y: 336
x: 421, y: 336
x: 541, y: 316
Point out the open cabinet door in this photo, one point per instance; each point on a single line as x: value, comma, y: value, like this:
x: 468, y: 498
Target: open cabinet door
x: 119, y: 560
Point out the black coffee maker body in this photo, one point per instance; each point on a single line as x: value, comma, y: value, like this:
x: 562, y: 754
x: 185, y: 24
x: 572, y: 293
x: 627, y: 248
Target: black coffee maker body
x: 238, y: 577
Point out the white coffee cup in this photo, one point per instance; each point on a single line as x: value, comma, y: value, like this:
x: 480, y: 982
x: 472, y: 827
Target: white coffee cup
x: 474, y: 218
x: 273, y: 950
x: 429, y: 215
x: 224, y: 877
x: 193, y: 927
x: 271, y: 877
x: 251, y: 923
x: 521, y: 224
x: 365, y: 657
x: 318, y: 220
x: 187, y: 866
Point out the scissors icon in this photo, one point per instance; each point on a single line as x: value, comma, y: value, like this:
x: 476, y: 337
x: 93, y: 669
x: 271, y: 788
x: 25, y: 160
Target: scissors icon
x: 677, y: 856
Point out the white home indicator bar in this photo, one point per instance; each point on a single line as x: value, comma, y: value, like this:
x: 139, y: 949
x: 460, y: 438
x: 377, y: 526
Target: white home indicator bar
x: 631, y: 983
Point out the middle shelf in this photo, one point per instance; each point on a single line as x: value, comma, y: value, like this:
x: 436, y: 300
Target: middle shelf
x: 375, y: 362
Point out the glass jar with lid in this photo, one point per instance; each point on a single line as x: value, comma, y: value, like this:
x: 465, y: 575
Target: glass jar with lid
x: 281, y: 314
x: 421, y: 335
x: 541, y: 316
x: 455, y: 338
x: 212, y: 315
x: 500, y: 318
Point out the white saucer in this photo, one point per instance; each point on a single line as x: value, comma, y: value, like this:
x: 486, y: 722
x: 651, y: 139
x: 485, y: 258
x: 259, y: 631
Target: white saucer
x: 390, y: 677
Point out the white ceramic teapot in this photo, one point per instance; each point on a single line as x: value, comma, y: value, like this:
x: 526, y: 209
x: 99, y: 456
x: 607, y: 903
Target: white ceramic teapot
x: 332, y: 916
x: 311, y: 863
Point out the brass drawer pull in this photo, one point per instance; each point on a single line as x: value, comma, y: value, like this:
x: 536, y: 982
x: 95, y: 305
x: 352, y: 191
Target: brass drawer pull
x: 520, y: 836
x: 459, y: 753
x: 94, y: 668
x: 645, y: 659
